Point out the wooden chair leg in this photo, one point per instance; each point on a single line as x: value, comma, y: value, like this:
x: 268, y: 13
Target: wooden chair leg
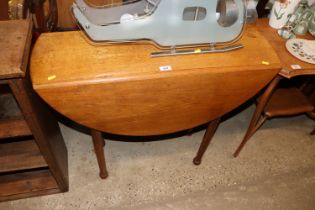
x: 99, y: 144
x: 213, y: 125
x: 258, y: 113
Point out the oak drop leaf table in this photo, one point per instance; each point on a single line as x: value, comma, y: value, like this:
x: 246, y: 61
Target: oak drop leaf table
x: 120, y: 89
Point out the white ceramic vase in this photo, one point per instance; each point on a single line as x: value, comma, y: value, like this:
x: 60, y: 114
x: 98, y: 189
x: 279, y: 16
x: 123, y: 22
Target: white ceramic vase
x: 280, y: 11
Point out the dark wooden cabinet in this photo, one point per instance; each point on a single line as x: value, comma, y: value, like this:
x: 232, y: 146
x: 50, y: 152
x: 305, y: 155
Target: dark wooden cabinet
x: 33, y: 155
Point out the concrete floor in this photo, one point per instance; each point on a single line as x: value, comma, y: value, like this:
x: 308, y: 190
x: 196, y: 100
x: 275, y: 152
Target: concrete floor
x: 276, y: 170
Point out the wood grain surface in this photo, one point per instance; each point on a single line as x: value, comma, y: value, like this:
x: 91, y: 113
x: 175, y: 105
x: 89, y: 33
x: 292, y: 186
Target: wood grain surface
x: 15, y: 34
x: 22, y: 161
x: 45, y: 130
x: 120, y: 88
x: 27, y: 184
x: 20, y: 155
x: 286, y: 58
x: 17, y: 125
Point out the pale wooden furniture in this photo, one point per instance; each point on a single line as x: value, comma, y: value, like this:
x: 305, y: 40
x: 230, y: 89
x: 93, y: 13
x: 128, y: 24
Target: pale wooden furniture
x: 275, y: 101
x: 120, y: 89
x: 33, y: 157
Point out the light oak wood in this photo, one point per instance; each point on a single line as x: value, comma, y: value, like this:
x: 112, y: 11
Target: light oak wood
x: 120, y: 89
x: 287, y: 102
x: 287, y: 60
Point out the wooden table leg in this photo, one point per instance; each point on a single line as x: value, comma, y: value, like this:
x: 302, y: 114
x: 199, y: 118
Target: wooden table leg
x: 255, y: 122
x: 213, y: 125
x: 99, y: 144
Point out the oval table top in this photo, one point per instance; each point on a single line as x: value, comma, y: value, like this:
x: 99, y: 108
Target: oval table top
x: 121, y: 89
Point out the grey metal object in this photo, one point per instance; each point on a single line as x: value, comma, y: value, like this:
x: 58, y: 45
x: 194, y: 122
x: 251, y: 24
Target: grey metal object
x: 168, y: 23
x: 211, y: 49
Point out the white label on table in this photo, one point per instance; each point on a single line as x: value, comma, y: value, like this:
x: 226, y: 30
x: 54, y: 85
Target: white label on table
x: 296, y: 66
x: 165, y: 68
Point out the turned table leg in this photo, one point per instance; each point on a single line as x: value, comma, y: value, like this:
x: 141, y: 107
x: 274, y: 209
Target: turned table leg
x: 213, y: 125
x: 99, y: 144
x: 255, y: 122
